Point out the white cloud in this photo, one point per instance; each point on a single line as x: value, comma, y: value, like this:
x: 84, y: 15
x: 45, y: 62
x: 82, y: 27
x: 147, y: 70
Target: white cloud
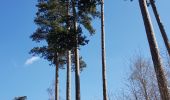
x: 31, y: 60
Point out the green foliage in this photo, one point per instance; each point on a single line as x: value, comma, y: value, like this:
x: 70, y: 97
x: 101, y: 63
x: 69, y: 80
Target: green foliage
x: 51, y: 29
x: 82, y: 63
x: 86, y: 12
x: 52, y: 23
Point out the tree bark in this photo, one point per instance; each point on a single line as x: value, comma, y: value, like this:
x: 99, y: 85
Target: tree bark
x: 76, y: 51
x: 161, y: 27
x: 105, y: 97
x: 68, y: 89
x: 77, y: 74
x: 57, y: 81
x: 162, y: 82
x: 68, y: 84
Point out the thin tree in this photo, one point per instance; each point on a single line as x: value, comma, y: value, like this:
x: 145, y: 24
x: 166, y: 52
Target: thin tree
x: 104, y: 80
x: 51, y: 89
x: 161, y: 27
x: 76, y: 52
x: 52, y: 19
x: 161, y: 79
x: 52, y: 30
x: 68, y: 81
x: 141, y: 81
x: 68, y: 84
x: 83, y: 11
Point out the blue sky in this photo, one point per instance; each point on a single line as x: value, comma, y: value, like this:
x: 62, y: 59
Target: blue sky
x: 20, y: 74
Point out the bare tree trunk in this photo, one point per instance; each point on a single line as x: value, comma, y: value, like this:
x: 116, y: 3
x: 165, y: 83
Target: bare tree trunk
x: 68, y: 85
x: 57, y: 81
x: 162, y: 82
x: 68, y: 89
x: 77, y: 74
x: 143, y: 83
x: 161, y: 27
x: 77, y: 64
x: 105, y: 97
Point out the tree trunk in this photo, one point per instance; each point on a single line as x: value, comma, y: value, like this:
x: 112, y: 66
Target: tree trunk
x: 68, y: 87
x: 68, y: 84
x: 76, y: 51
x: 57, y: 81
x: 105, y: 97
x: 161, y: 27
x: 162, y: 82
x: 77, y: 74
x: 143, y: 83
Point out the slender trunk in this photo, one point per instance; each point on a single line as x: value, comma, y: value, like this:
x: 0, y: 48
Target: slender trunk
x: 162, y: 82
x: 57, y: 81
x: 76, y: 51
x: 68, y: 89
x: 143, y: 83
x: 145, y: 93
x: 68, y: 85
x: 77, y: 74
x: 161, y: 27
x: 105, y: 97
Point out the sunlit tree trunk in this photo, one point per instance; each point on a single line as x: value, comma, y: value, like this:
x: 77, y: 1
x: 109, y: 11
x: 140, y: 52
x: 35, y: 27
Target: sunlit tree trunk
x: 104, y: 80
x: 162, y: 82
x: 68, y: 84
x: 161, y: 27
x: 76, y: 51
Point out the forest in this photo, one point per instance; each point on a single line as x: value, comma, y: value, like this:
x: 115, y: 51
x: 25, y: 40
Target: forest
x: 64, y: 28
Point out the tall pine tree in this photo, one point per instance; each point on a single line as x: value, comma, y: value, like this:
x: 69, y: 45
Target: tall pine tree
x: 83, y: 11
x: 160, y: 24
x: 104, y: 80
x: 51, y: 31
x: 161, y: 79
